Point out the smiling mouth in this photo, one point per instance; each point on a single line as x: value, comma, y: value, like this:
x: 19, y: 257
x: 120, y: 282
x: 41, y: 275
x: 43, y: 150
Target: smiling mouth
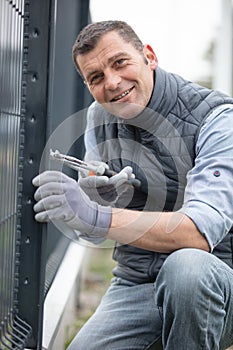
x: 125, y: 93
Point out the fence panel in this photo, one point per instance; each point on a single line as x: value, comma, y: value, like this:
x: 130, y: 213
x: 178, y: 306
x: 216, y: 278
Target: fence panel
x: 13, y: 330
x: 30, y: 253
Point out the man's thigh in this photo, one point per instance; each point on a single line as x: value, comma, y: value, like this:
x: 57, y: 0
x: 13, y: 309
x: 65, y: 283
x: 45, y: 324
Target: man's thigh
x: 127, y: 318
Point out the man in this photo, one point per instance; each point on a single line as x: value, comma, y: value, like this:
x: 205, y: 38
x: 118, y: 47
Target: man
x: 173, y: 234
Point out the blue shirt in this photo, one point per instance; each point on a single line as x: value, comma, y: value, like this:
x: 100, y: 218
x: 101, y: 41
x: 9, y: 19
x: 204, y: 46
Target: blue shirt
x: 208, y: 197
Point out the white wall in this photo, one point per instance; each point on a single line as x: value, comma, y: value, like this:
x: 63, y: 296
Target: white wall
x: 223, y: 73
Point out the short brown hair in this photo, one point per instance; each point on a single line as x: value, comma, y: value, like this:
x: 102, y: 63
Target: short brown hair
x: 90, y: 35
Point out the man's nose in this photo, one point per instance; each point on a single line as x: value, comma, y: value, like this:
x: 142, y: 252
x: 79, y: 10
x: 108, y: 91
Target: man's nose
x: 112, y: 80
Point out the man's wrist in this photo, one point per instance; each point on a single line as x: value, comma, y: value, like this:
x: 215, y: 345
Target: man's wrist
x: 96, y: 231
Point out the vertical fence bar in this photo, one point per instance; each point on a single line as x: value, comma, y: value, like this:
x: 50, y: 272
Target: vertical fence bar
x: 33, y: 123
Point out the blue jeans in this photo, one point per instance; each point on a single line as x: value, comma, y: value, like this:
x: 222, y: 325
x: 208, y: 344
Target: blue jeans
x: 190, y: 306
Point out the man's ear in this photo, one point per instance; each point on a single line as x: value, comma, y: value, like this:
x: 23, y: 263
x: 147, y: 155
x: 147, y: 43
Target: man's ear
x: 150, y: 56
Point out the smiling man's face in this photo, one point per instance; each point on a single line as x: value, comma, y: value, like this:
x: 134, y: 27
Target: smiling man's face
x: 118, y: 76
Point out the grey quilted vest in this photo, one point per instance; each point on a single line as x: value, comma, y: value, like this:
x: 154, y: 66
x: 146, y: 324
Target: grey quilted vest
x: 160, y: 146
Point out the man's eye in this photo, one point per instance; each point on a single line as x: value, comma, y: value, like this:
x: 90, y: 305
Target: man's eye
x: 95, y: 79
x: 120, y: 62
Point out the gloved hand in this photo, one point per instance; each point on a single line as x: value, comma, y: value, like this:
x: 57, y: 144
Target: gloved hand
x: 105, y: 190
x: 60, y: 197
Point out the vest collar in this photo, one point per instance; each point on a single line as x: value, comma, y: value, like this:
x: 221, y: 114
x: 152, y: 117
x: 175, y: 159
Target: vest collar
x: 163, y: 98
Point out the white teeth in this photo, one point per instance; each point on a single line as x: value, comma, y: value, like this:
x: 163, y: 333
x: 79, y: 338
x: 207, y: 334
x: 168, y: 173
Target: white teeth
x: 122, y: 95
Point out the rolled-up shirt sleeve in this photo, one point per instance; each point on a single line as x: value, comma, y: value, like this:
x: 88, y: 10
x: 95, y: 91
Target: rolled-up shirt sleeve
x: 208, y: 198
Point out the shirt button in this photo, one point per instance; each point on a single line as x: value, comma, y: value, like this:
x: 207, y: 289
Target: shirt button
x: 217, y: 173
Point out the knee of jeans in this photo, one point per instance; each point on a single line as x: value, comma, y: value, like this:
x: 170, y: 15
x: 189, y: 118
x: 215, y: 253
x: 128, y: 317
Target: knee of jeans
x: 182, y: 271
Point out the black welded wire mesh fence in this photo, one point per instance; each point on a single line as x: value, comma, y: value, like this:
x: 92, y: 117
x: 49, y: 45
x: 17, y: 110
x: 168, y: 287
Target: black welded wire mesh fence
x: 35, y: 41
x: 13, y: 330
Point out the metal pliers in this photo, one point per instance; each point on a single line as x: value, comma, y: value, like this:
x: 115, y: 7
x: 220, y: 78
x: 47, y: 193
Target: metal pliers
x: 78, y: 164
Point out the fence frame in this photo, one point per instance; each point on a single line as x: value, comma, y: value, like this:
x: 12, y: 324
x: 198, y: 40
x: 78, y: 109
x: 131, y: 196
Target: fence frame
x: 33, y: 123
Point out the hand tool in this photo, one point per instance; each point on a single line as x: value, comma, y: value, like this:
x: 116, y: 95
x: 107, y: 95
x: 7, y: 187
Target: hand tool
x: 78, y: 164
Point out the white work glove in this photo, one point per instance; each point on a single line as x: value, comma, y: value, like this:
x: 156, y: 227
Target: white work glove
x: 105, y: 190
x: 59, y: 197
